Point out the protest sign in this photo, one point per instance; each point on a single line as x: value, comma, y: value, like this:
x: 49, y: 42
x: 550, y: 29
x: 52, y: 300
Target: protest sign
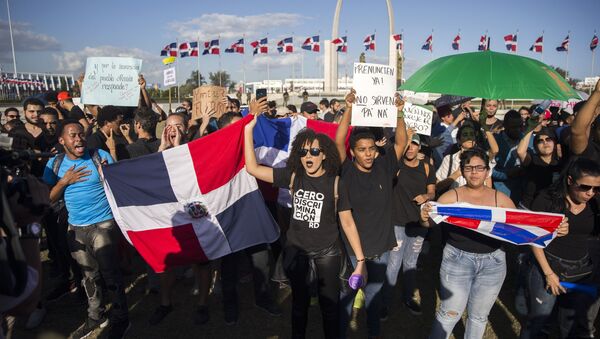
x: 418, y: 118
x: 375, y: 87
x: 111, y: 81
x: 207, y: 98
x: 170, y: 77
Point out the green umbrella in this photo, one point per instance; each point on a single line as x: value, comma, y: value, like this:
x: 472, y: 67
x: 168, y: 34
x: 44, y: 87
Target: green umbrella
x: 490, y: 75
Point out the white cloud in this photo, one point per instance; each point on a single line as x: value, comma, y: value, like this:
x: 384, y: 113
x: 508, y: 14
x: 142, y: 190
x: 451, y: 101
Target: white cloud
x: 259, y: 62
x: 227, y: 26
x: 25, y: 40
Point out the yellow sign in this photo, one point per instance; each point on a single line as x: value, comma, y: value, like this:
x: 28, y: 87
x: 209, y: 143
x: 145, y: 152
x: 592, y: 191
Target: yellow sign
x: 168, y: 60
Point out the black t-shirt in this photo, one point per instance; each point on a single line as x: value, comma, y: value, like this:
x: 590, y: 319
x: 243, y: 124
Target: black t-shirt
x: 143, y: 147
x: 592, y: 151
x: 313, y: 224
x: 539, y: 176
x: 411, y: 182
x: 574, y: 245
x: 370, y: 194
x: 76, y: 113
x: 98, y: 141
x: 329, y: 117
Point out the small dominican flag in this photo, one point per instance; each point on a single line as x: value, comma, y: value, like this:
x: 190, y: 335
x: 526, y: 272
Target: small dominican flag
x: 260, y: 46
x: 341, y: 44
x: 456, y: 43
x: 594, y: 43
x: 399, y: 42
x: 187, y: 49
x: 564, y: 45
x: 369, y: 42
x: 286, y: 45
x: 312, y: 44
x: 211, y: 47
x: 236, y: 47
x: 428, y: 46
x: 169, y: 50
x: 538, y: 45
x: 519, y: 227
x: 511, y: 42
x: 483, y: 43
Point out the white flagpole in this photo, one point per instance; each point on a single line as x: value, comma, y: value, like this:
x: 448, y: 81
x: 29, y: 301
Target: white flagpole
x: 568, y: 47
x: 542, y: 53
x: 593, y: 57
x: 198, y: 57
x: 12, y: 44
x: 244, y: 62
x: 177, y: 75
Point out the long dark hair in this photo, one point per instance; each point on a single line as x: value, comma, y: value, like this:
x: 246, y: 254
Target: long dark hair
x: 331, y: 164
x: 577, y: 169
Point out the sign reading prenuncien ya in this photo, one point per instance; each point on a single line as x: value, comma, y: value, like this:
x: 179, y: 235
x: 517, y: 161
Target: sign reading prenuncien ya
x: 375, y: 87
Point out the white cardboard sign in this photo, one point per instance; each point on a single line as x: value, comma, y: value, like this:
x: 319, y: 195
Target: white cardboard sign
x: 111, y: 81
x: 375, y: 87
x: 170, y: 77
x: 418, y: 118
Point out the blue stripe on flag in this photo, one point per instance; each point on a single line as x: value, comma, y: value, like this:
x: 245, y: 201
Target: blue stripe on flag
x: 248, y: 222
x: 519, y: 235
x: 466, y: 212
x: 274, y: 133
x: 141, y: 181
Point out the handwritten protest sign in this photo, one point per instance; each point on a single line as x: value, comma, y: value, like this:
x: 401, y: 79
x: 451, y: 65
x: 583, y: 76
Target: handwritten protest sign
x: 207, y: 98
x: 418, y: 118
x: 111, y: 81
x: 170, y: 77
x: 375, y: 87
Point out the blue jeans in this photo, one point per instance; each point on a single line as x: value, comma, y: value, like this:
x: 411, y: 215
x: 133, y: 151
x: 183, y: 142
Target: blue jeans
x: 376, y: 268
x: 404, y: 256
x: 470, y: 280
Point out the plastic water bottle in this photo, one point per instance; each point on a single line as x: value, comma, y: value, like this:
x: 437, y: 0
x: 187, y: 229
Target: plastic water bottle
x: 356, y: 281
x: 541, y: 108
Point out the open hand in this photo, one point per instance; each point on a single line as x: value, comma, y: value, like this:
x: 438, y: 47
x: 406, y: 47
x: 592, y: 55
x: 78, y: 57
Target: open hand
x: 74, y: 175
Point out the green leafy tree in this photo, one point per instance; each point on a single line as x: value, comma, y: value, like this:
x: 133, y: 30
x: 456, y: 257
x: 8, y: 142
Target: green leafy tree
x: 191, y: 83
x: 220, y: 78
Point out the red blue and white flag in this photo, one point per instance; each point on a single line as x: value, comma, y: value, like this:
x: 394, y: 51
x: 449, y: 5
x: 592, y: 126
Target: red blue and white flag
x: 187, y: 49
x: 399, y: 42
x: 519, y: 227
x: 369, y: 42
x: 564, y: 45
x: 236, y: 47
x: 341, y: 44
x: 286, y: 45
x: 211, y: 47
x: 260, y: 46
x: 538, y: 45
x: 312, y: 44
x: 594, y: 43
x: 511, y: 42
x: 191, y: 203
x: 456, y: 43
x: 428, y: 46
x: 483, y: 43
x: 169, y: 50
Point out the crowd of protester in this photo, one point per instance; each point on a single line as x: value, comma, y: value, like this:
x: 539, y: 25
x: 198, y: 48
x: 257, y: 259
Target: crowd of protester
x: 374, y: 218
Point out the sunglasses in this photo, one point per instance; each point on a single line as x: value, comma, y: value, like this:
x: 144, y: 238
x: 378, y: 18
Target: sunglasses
x: 313, y: 151
x: 544, y: 140
x: 587, y: 188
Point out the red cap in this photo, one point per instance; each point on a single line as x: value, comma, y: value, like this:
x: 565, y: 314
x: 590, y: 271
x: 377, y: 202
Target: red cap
x: 63, y: 96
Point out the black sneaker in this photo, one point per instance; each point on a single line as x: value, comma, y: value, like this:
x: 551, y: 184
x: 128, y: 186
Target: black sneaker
x: 230, y: 315
x: 118, y: 328
x: 270, y: 307
x: 58, y: 293
x: 383, y: 313
x: 159, y: 314
x: 201, y: 316
x: 413, y: 307
x: 88, y: 327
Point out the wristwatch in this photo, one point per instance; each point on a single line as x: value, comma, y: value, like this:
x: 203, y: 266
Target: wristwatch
x: 31, y: 231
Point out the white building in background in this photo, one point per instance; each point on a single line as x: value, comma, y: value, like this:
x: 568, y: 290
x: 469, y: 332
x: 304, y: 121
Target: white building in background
x: 311, y: 85
x: 587, y: 83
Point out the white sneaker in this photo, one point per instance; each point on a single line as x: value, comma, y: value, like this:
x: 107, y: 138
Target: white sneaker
x: 35, y: 318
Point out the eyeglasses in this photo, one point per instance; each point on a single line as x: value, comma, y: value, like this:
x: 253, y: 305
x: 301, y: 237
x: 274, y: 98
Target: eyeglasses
x: 313, y: 151
x: 587, y: 188
x: 544, y: 140
x: 476, y: 169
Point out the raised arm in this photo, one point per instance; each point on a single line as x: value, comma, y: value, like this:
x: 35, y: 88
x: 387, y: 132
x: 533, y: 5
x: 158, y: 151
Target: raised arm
x: 581, y: 126
x: 263, y: 173
x: 342, y: 130
x: 144, y: 97
x: 400, y: 141
x: 524, y: 143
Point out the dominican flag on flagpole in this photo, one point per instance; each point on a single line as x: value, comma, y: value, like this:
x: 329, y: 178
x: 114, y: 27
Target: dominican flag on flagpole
x: 594, y: 43
x: 187, y: 49
x: 286, y: 45
x: 483, y: 43
x: 169, y: 50
x: 211, y: 47
x: 538, y: 45
x: 312, y: 44
x: 191, y: 203
x: 369, y: 42
x: 511, y: 42
x: 456, y: 43
x: 399, y: 42
x: 564, y: 45
x: 260, y: 46
x: 428, y: 46
x: 341, y: 44
x: 519, y: 227
x: 236, y: 47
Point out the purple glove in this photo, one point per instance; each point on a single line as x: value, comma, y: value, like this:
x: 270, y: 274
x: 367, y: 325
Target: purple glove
x: 356, y: 281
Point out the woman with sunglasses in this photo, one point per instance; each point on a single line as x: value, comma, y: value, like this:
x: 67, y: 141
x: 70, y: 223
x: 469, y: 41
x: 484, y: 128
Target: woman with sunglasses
x: 566, y: 258
x: 312, y: 255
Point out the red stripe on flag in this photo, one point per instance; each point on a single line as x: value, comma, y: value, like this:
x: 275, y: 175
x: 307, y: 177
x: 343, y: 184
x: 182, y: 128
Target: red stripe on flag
x: 547, y: 222
x: 464, y: 222
x: 164, y: 248
x: 329, y: 129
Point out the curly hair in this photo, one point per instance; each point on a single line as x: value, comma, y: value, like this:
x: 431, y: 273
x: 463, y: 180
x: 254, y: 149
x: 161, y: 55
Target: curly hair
x: 331, y: 164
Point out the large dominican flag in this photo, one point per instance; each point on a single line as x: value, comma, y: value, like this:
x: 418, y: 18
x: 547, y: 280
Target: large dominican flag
x: 518, y: 227
x: 190, y: 203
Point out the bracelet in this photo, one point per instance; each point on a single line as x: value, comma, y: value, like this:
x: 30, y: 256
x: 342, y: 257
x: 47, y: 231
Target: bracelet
x: 360, y: 260
x: 400, y: 114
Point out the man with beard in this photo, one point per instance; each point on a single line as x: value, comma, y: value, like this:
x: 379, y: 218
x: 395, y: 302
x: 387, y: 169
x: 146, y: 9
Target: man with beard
x: 49, y: 122
x: 144, y: 124
x: 70, y: 110
x: 112, y: 135
x: 33, y: 108
x: 93, y: 235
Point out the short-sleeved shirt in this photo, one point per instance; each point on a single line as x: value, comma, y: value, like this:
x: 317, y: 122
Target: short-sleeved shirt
x: 313, y: 224
x: 371, y: 197
x: 143, y: 147
x: 411, y: 182
x: 86, y: 201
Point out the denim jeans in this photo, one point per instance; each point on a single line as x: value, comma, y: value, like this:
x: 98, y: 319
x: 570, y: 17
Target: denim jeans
x: 94, y: 247
x: 376, y: 268
x: 470, y: 280
x: 404, y: 256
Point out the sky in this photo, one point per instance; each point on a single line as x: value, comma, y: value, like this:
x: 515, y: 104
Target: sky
x: 58, y: 36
